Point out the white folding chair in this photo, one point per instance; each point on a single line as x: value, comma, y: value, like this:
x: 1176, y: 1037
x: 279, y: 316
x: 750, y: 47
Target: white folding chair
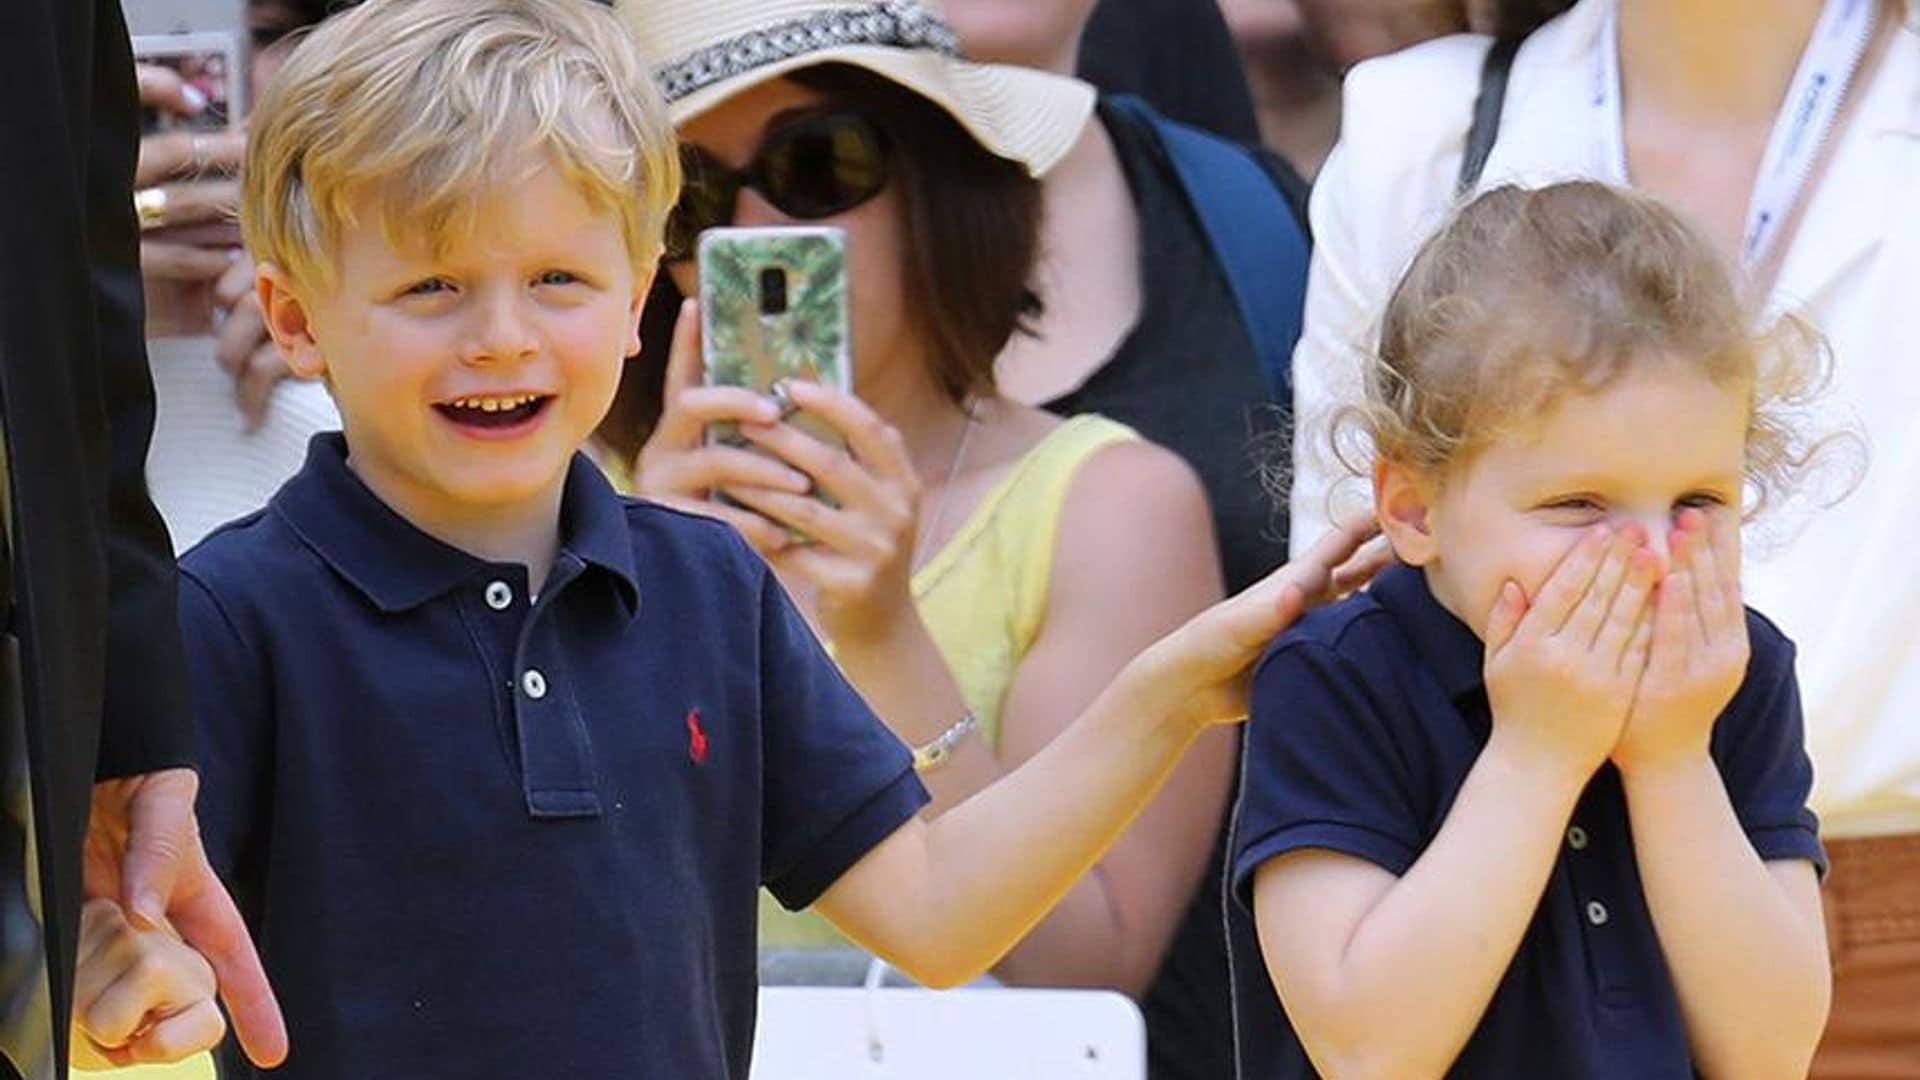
x: 876, y: 1033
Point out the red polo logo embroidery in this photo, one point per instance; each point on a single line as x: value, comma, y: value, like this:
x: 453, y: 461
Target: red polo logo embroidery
x: 696, y: 738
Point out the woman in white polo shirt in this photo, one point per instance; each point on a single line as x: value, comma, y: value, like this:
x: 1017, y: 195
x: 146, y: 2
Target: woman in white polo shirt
x: 1790, y: 131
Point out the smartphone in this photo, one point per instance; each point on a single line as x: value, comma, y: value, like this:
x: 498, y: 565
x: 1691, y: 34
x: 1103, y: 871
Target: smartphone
x: 205, y: 42
x: 773, y: 310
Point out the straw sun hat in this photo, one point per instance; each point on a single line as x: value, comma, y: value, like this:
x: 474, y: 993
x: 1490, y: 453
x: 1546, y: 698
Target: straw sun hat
x: 706, y: 51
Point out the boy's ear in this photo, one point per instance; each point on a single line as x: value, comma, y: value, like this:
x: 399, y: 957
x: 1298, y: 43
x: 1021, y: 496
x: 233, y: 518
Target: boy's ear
x: 1402, y: 497
x: 642, y: 288
x: 288, y: 321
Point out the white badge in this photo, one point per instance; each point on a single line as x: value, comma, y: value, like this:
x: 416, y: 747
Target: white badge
x: 1806, y: 120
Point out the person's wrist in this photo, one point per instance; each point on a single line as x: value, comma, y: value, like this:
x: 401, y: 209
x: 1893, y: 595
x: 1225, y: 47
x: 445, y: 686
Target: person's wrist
x: 862, y: 626
x: 1555, y: 767
x: 1679, y: 758
x: 1160, y: 703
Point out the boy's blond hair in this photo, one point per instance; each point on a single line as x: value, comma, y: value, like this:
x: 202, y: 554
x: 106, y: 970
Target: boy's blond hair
x: 427, y: 104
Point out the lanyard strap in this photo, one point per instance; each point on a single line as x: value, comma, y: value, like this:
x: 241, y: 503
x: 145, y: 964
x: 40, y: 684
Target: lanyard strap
x: 1806, y: 119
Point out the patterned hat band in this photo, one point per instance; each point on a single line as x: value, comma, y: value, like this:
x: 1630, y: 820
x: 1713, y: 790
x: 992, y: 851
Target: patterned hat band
x: 898, y: 23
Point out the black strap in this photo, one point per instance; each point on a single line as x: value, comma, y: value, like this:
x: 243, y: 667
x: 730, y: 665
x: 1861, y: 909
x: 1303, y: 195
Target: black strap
x: 1256, y: 240
x: 1486, y: 111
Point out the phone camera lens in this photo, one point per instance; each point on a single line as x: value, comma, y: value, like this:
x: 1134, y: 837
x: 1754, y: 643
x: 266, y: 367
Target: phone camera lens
x: 773, y: 291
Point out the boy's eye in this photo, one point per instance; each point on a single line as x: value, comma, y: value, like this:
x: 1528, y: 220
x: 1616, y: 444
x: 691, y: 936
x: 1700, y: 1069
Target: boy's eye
x: 1573, y: 504
x: 1701, y: 500
x: 556, y: 277
x: 427, y: 287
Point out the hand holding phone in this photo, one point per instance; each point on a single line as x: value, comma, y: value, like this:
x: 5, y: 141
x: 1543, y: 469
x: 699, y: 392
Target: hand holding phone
x: 767, y: 435
x: 680, y: 467
x: 190, y: 151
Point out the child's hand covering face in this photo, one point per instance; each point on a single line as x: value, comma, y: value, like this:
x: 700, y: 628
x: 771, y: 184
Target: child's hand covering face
x: 139, y: 995
x: 1202, y: 671
x: 1562, y: 666
x: 1614, y: 661
x: 1699, y: 647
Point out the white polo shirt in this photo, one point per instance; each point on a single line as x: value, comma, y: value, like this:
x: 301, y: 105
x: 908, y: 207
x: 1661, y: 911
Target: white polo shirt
x: 1840, y: 581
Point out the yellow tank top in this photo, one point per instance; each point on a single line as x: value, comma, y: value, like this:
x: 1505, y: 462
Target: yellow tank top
x: 983, y: 598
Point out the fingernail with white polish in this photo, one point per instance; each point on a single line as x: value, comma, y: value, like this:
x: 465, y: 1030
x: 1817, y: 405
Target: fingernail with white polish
x: 196, y: 101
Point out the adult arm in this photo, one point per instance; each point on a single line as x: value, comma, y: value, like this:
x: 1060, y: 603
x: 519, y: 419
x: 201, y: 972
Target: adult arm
x: 146, y: 719
x: 143, y: 807
x: 1135, y: 557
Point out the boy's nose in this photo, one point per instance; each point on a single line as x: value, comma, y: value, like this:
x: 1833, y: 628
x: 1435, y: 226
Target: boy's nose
x: 502, y: 332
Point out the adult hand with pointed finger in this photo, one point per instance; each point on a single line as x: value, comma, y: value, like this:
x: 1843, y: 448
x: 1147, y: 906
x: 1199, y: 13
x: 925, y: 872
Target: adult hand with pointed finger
x: 143, y: 851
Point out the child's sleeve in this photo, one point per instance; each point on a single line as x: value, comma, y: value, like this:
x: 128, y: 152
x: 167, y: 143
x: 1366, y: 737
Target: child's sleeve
x: 837, y: 781
x: 1759, y: 745
x: 1323, y: 767
x: 232, y: 711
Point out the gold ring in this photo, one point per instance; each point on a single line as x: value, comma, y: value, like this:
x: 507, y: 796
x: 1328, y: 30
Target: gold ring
x: 151, y: 205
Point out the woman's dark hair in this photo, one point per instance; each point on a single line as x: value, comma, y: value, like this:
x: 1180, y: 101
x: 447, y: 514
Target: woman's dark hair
x: 971, y: 222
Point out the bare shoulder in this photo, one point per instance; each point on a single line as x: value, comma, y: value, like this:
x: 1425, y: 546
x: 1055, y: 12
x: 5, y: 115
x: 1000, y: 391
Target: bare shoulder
x: 1134, y: 503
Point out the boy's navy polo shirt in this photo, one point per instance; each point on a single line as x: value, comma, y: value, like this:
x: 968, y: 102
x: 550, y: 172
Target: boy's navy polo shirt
x: 477, y: 836
x: 1367, y: 716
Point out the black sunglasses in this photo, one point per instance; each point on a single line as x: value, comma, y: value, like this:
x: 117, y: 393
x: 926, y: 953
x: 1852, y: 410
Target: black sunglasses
x: 809, y: 169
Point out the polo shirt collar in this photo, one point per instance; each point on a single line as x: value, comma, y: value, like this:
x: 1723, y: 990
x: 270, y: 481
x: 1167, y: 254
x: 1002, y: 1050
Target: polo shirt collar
x: 398, y: 567
x: 1446, y: 646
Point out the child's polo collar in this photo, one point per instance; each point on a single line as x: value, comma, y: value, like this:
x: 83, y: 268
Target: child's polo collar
x: 1448, y: 648
x: 398, y: 567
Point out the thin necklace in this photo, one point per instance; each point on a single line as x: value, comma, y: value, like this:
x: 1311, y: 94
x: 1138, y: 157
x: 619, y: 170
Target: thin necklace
x: 936, y: 518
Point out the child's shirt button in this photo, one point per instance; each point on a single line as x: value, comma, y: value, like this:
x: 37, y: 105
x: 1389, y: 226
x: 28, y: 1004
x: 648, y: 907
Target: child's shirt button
x: 1597, y: 913
x: 1577, y: 838
x: 534, y: 684
x: 499, y: 595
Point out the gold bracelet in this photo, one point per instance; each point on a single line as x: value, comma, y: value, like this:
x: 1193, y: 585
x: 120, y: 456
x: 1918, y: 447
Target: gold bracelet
x: 934, y: 753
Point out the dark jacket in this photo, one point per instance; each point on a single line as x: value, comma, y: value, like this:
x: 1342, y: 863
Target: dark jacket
x: 104, y: 686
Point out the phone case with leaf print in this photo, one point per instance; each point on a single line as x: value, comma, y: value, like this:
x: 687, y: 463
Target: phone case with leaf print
x: 773, y: 309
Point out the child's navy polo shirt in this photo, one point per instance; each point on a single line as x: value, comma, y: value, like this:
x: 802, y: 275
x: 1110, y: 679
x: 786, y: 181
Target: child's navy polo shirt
x: 482, y: 837
x: 1367, y: 716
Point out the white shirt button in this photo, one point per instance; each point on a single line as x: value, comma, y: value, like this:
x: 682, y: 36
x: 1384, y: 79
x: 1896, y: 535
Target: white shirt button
x: 1597, y: 913
x: 1577, y: 838
x: 534, y: 684
x: 499, y: 595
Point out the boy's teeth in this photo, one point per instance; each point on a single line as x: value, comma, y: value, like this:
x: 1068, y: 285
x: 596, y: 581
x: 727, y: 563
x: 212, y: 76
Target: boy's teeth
x: 495, y: 404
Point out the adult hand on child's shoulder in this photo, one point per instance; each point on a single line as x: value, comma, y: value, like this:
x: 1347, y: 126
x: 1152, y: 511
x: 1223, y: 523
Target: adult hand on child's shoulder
x: 1699, y: 651
x: 1202, y: 671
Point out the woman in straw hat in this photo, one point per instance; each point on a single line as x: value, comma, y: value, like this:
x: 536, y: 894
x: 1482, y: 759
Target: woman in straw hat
x: 988, y: 567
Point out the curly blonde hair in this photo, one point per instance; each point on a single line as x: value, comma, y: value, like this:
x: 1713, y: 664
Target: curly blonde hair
x: 1529, y: 295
